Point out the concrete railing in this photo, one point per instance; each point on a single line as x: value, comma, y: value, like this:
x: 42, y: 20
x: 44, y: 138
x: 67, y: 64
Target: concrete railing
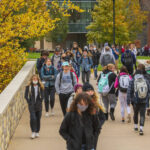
x: 12, y: 103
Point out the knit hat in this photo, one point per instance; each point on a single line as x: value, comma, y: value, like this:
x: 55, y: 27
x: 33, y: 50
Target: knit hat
x: 77, y: 86
x: 85, y: 48
x: 87, y: 87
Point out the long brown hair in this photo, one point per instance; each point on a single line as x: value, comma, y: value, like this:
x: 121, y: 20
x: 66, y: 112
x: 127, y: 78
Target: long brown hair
x: 86, y: 98
x: 124, y: 69
x: 39, y: 81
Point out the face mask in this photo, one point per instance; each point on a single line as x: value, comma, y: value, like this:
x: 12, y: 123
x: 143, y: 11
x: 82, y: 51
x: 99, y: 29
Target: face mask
x: 48, y: 66
x: 84, y: 54
x: 82, y: 108
x: 94, y: 49
x: 35, y: 82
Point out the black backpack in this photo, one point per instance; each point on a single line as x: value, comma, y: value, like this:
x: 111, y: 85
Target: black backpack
x: 71, y: 74
x: 128, y: 60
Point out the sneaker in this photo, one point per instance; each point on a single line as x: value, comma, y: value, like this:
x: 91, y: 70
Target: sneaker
x: 47, y: 114
x: 37, y: 135
x: 33, y: 135
x: 129, y: 118
x: 141, y: 132
x: 136, y: 129
x: 112, y: 114
x: 52, y: 113
x: 123, y: 121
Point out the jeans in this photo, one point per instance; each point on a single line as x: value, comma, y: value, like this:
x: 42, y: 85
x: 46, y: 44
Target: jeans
x: 95, y: 70
x: 49, y: 94
x: 35, y: 118
x: 83, y: 147
x: 64, y: 101
x: 139, y: 108
x: 85, y: 76
x: 78, y: 74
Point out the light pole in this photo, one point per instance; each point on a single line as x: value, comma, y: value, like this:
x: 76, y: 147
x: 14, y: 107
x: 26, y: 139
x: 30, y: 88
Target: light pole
x: 114, y: 29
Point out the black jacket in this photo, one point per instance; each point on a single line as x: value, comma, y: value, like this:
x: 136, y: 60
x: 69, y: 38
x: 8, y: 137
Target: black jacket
x: 111, y: 78
x: 95, y: 57
x: 72, y: 129
x: 30, y: 97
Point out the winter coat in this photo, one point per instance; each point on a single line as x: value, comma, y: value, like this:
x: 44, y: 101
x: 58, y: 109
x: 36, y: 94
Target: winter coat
x: 77, y: 55
x: 133, y: 58
x: 131, y: 98
x: 73, y: 127
x: 86, y: 64
x: 116, y: 85
x: 111, y: 80
x: 39, y: 64
x: 95, y: 57
x: 34, y: 105
x: 48, y: 74
x: 107, y: 58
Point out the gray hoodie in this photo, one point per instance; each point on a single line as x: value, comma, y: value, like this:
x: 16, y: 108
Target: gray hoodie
x: 66, y: 83
x: 107, y: 58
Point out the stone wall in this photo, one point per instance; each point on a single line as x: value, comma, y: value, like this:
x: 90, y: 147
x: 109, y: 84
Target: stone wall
x: 12, y: 103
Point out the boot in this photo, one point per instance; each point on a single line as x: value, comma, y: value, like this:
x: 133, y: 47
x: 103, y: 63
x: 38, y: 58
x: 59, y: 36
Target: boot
x: 106, y: 116
x: 129, y: 118
x: 112, y: 114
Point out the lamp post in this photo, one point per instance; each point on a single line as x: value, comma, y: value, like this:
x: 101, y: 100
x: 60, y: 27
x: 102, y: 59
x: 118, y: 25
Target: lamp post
x: 114, y: 29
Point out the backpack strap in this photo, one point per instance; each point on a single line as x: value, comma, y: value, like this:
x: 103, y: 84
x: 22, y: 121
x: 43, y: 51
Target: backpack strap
x: 61, y: 74
x: 71, y: 74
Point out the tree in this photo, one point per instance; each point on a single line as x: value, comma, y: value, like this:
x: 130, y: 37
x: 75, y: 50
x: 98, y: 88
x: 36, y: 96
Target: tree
x: 129, y: 21
x: 21, y: 20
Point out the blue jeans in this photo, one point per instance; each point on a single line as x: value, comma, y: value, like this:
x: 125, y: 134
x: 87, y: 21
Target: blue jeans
x: 78, y: 74
x: 95, y: 70
x: 83, y: 147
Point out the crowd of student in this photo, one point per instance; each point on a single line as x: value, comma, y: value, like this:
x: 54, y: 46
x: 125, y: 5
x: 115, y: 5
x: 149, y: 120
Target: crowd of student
x: 84, y: 116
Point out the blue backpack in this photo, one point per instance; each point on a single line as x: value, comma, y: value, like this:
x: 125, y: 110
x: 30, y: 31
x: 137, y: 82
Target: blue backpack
x: 103, y: 84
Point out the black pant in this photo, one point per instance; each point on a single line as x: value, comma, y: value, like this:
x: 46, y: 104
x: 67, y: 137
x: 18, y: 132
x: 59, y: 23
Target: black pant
x: 49, y: 94
x: 139, y: 108
x: 85, y: 76
x: 35, y: 118
x: 64, y: 101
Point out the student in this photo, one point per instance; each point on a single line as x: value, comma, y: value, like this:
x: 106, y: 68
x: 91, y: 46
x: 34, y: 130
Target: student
x: 107, y: 57
x: 138, y: 91
x: 115, y: 52
x: 56, y: 58
x: 77, y: 51
x: 86, y: 64
x: 106, y: 88
x: 64, y: 85
x: 95, y: 58
x: 34, y: 98
x: 77, y: 90
x: 88, y: 88
x: 79, y: 127
x: 48, y: 74
x: 122, y: 83
x: 128, y: 59
x: 41, y: 61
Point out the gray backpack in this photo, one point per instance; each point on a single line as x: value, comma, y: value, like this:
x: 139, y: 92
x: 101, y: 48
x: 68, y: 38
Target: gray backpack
x: 107, y: 59
x: 140, y: 88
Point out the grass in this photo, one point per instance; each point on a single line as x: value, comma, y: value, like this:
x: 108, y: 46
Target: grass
x: 36, y: 55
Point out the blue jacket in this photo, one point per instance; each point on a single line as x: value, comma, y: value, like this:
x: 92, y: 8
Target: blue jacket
x: 48, y: 75
x: 131, y: 98
x: 86, y: 64
x: 133, y: 57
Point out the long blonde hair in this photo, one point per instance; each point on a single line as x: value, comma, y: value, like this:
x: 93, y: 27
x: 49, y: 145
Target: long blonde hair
x: 108, y: 67
x: 39, y: 81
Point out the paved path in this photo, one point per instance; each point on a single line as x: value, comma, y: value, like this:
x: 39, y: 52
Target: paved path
x: 114, y: 136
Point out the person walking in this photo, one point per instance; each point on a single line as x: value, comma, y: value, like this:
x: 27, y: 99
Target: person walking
x: 34, y: 97
x: 48, y: 74
x: 128, y: 59
x: 138, y: 91
x: 95, y: 58
x: 106, y: 88
x: 79, y: 127
x: 64, y: 84
x: 77, y: 51
x: 107, y: 57
x: 86, y: 64
x: 122, y: 83
x: 116, y: 55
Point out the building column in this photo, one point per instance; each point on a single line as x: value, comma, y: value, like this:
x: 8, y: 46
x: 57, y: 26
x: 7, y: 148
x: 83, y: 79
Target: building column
x: 149, y: 29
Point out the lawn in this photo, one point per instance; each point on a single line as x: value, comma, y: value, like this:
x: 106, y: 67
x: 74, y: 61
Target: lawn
x: 36, y: 55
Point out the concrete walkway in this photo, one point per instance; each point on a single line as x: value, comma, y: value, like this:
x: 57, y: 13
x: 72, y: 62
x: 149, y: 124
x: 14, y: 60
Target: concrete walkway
x: 114, y: 135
